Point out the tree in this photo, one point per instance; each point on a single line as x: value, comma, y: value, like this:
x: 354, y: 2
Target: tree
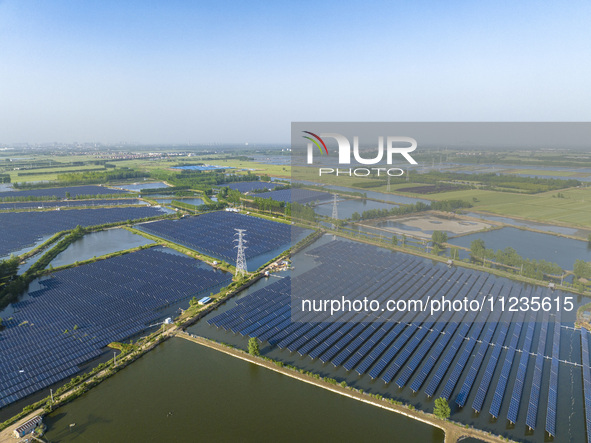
x: 356, y: 217
x: 253, y: 347
x: 582, y: 269
x: 439, y: 237
x: 442, y: 409
x: 394, y: 240
x: 477, y: 248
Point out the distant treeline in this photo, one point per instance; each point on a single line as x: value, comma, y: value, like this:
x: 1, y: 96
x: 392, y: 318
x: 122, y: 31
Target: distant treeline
x: 164, y: 190
x: 4, y: 178
x: 492, y: 180
x: 243, y: 158
x: 23, y: 174
x: 547, y: 160
x: 489, y: 180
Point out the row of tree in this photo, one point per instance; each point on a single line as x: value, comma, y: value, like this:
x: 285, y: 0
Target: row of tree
x: 509, y: 256
x: 8, y: 270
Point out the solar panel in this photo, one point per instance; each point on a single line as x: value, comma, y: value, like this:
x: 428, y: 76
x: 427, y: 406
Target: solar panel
x: 213, y: 234
x: 521, y: 371
x: 22, y: 229
x: 69, y: 203
x: 78, y: 311
x: 553, y: 383
x: 73, y: 191
x: 534, y: 398
x: 506, y: 369
x: 472, y: 338
x: 586, y: 380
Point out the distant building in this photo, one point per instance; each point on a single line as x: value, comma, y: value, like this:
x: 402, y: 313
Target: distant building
x: 27, y: 427
x: 204, y: 300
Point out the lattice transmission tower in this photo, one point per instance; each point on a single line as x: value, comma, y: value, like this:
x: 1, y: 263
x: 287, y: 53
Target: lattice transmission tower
x: 335, y: 210
x: 241, y: 257
x: 388, y: 186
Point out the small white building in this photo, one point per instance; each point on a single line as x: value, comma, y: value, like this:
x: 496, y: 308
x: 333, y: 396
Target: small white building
x: 27, y: 427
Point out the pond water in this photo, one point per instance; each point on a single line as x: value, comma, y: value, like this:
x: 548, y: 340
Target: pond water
x: 570, y: 419
x: 370, y: 194
x: 184, y: 391
x: 531, y: 224
x: 190, y: 201
x: 97, y: 244
x: 533, y: 245
x: 28, y: 248
x: 139, y: 186
x: 346, y: 208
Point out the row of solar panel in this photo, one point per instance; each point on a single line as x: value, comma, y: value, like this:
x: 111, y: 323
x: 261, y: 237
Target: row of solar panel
x: 399, y: 344
x: 22, y: 229
x: 97, y: 303
x: 214, y: 233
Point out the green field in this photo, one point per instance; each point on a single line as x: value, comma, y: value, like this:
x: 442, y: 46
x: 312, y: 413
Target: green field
x: 574, y: 208
x: 48, y: 174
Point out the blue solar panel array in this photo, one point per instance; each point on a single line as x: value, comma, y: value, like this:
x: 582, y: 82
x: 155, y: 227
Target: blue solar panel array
x: 503, y: 329
x: 61, y: 192
x: 213, y: 233
x: 251, y: 186
x: 586, y: 380
x: 69, y: 203
x: 410, y: 348
x: 553, y: 384
x: 80, y: 310
x: 297, y: 195
x: 22, y: 229
x: 521, y: 372
x: 495, y: 407
x: 534, y: 396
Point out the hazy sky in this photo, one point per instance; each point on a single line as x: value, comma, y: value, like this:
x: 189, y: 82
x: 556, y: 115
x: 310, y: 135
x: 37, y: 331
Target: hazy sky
x: 221, y: 71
